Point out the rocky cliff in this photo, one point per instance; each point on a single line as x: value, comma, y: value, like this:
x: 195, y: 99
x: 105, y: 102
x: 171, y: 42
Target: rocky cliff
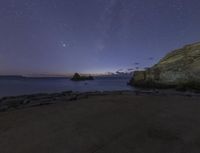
x: 179, y: 68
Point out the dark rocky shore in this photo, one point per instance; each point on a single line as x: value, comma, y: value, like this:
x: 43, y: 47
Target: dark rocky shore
x: 25, y: 101
x: 35, y: 100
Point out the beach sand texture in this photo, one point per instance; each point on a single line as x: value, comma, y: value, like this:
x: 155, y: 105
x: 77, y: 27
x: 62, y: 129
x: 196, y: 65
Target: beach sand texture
x: 110, y: 123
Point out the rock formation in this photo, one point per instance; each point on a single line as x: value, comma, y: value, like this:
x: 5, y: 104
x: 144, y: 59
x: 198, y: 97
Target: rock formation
x: 180, y: 68
x: 78, y: 77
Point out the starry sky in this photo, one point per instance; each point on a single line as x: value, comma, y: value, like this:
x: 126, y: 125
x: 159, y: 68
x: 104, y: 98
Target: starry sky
x: 92, y: 36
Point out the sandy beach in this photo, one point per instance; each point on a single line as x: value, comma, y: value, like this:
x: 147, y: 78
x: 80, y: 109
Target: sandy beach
x: 109, y: 122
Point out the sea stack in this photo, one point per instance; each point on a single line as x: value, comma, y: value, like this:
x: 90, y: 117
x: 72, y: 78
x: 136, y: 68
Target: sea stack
x: 180, y: 69
x: 78, y: 77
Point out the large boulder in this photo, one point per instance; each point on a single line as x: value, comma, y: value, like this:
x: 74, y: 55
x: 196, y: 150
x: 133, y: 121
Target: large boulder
x: 180, y: 68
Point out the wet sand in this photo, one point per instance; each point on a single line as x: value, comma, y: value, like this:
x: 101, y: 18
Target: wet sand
x: 114, y: 122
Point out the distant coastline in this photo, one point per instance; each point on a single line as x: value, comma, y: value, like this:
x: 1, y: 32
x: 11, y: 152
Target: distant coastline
x: 11, y: 76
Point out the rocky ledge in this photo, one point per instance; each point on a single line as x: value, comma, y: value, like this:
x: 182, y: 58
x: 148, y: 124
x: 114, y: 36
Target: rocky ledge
x: 25, y: 101
x: 180, y: 69
x: 43, y: 99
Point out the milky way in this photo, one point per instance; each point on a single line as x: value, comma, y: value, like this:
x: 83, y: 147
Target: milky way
x: 92, y: 36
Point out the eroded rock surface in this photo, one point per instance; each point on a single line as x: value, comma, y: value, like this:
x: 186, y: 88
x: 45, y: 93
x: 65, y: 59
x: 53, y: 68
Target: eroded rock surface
x: 180, y: 67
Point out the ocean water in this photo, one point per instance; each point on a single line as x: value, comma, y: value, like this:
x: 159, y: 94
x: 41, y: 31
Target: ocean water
x: 20, y: 86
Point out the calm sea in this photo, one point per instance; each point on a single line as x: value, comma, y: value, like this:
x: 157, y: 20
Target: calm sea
x: 20, y: 86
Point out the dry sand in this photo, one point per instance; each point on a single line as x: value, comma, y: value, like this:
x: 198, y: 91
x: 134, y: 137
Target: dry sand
x: 112, y: 123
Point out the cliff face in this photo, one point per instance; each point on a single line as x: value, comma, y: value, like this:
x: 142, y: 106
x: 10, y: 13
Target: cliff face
x: 180, y: 67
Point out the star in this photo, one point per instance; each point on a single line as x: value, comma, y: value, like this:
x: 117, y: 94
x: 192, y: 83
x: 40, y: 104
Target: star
x: 64, y: 45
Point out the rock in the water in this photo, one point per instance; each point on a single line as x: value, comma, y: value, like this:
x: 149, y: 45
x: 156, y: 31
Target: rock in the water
x: 180, y: 68
x: 78, y: 77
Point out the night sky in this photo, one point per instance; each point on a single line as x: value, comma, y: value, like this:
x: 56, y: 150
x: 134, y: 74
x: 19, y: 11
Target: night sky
x: 92, y: 36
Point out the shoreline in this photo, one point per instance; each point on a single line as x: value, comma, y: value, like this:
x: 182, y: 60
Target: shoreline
x: 40, y: 99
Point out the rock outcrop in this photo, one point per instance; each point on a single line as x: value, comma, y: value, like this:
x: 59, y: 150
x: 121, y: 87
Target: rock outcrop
x: 180, y: 68
x: 78, y: 77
